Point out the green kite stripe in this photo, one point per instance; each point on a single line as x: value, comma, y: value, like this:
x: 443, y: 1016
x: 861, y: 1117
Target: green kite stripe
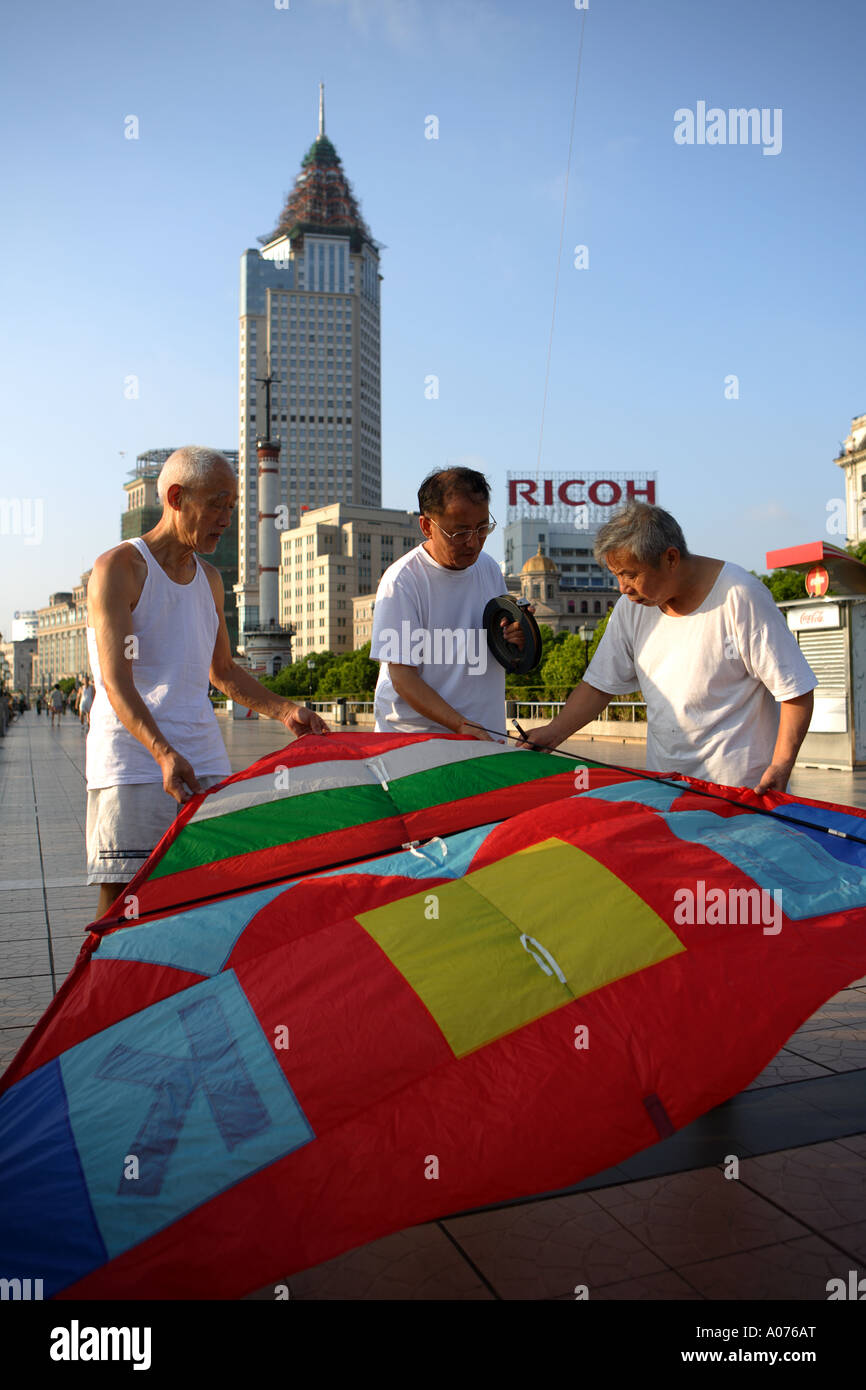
x: 344, y: 772
x: 301, y: 817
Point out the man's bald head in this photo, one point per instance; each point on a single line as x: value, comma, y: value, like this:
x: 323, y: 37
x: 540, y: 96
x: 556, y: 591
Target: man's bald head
x: 192, y: 467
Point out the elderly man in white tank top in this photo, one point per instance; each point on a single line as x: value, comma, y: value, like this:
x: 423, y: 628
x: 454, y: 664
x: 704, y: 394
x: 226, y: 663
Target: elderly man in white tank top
x: 157, y: 636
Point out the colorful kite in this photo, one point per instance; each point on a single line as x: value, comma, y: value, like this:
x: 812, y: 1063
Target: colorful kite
x: 377, y: 979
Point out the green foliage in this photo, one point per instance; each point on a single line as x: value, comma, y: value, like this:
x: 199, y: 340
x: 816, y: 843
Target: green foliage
x: 563, y: 666
x: 68, y: 684
x: 784, y: 584
x: 350, y: 673
x: 858, y: 551
x: 599, y: 633
x: 530, y: 685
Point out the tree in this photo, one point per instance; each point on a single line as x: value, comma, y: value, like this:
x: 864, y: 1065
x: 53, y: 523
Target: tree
x: 784, y: 584
x: 563, y: 667
x: 352, y: 673
x: 531, y: 683
x: 294, y: 681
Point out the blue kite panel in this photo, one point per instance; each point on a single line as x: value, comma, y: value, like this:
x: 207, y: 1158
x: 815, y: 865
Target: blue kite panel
x: 429, y: 859
x: 174, y: 1105
x: 657, y: 795
x: 200, y: 940
x: 47, y: 1226
x: 811, y: 882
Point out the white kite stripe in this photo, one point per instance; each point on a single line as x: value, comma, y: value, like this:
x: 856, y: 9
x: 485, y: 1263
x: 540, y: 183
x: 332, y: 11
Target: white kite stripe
x: 354, y: 772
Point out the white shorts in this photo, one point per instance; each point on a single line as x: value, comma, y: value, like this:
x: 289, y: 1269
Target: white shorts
x: 124, y: 826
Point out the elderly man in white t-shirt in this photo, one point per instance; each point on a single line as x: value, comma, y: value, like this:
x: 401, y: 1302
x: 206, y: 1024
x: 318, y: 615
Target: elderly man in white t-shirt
x: 728, y: 691
x: 436, y: 669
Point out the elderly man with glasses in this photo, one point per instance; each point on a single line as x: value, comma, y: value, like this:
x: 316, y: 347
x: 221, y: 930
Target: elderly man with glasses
x: 436, y: 672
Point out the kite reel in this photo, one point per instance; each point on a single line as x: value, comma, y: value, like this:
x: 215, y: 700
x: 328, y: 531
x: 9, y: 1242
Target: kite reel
x: 514, y: 659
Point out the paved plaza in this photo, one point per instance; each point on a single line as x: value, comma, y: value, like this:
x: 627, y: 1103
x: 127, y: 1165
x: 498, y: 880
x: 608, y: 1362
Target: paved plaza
x: 666, y: 1224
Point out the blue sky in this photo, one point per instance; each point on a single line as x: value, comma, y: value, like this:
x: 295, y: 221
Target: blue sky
x: 121, y: 257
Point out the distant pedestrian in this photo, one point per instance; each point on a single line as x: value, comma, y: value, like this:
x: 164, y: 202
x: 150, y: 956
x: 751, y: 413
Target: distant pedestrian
x: 55, y: 703
x: 84, y: 703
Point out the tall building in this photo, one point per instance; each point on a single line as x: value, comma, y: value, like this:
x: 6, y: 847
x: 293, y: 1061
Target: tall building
x: 852, y: 460
x: 24, y: 624
x: 16, y: 661
x: 336, y: 553
x: 61, y: 637
x: 571, y: 550
x: 144, y: 509
x: 309, y: 327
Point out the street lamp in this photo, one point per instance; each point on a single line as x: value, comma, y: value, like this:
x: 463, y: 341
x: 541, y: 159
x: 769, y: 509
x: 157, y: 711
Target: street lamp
x: 583, y: 633
x: 311, y: 666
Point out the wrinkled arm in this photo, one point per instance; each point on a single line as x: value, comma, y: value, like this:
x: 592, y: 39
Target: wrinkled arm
x: 583, y: 704
x: 794, y: 718
x: 240, y: 685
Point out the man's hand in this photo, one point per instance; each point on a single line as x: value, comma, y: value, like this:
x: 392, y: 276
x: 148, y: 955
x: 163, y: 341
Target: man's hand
x: 513, y: 632
x: 178, y: 778
x: 299, y: 720
x: 466, y: 726
x: 545, y: 736
x: 775, y: 779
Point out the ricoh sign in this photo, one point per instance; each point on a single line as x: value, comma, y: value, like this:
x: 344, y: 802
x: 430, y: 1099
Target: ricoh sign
x: 583, y: 501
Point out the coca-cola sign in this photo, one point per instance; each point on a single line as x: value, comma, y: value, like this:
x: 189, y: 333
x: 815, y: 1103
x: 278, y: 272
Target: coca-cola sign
x: 807, y: 619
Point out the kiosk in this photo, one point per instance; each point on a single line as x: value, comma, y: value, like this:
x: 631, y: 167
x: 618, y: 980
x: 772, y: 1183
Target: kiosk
x: 830, y: 628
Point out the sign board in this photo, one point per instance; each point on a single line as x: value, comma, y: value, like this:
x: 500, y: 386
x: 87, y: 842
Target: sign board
x: 579, y: 497
x: 817, y: 581
x: 814, y: 619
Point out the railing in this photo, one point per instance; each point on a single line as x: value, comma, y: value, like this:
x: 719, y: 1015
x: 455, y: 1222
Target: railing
x: 545, y: 709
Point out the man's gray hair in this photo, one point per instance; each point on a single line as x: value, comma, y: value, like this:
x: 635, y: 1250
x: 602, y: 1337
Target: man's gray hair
x: 641, y: 530
x: 190, y: 466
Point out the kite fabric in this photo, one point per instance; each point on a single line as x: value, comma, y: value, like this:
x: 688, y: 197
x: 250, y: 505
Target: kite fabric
x: 378, y: 979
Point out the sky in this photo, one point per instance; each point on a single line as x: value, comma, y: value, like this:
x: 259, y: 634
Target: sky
x: 706, y: 262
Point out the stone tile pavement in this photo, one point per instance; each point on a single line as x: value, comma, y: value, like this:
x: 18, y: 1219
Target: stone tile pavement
x: 665, y: 1225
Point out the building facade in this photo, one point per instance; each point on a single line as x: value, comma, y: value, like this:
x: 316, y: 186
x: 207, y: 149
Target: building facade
x: 362, y: 618
x: 337, y: 553
x: 558, y: 602
x: 16, y: 663
x: 852, y: 461
x: 61, y: 638
x: 309, y: 359
x: 569, y: 548
x: 24, y: 624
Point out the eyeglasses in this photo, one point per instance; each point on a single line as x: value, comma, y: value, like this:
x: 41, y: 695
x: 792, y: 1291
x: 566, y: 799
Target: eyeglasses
x: 482, y: 532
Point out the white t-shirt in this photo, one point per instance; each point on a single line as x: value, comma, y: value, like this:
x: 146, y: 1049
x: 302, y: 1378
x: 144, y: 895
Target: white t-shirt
x: 710, y: 678
x: 430, y: 617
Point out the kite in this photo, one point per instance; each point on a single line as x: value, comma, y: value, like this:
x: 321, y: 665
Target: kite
x: 376, y: 979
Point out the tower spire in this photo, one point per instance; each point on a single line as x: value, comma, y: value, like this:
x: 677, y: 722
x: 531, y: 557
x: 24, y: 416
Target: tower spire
x: 321, y: 108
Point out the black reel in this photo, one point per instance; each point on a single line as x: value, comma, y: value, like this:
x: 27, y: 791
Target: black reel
x: 507, y: 654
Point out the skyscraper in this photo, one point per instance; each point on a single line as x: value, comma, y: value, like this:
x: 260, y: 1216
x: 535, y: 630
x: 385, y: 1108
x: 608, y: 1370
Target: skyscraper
x: 309, y: 327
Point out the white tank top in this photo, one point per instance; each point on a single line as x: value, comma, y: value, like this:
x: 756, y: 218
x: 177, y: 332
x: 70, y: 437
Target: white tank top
x: 175, y: 627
